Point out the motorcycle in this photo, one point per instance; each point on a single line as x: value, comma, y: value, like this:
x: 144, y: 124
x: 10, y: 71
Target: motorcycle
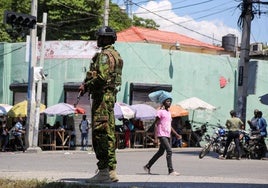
x: 197, y: 135
x: 216, y: 142
x: 251, y: 146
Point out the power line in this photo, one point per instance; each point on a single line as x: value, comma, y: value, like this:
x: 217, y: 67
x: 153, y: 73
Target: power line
x: 210, y: 8
x: 201, y: 11
x: 207, y: 15
x: 186, y: 6
x: 13, y: 50
x: 177, y: 23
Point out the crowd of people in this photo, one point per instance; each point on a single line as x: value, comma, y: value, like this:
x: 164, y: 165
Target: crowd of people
x: 12, y: 136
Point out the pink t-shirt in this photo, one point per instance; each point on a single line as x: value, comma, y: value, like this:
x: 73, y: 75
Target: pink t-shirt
x: 164, y: 124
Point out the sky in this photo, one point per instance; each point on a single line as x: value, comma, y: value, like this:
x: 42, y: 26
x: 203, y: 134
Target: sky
x: 204, y: 20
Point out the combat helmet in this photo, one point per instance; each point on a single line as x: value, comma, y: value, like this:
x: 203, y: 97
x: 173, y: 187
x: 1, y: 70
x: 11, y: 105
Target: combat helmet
x: 106, y: 31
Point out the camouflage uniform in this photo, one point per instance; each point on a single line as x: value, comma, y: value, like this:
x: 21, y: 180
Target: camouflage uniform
x: 102, y: 81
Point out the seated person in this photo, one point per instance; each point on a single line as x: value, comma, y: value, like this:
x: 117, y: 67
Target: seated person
x: 188, y: 125
x: 177, y: 126
x: 58, y: 125
x: 138, y: 124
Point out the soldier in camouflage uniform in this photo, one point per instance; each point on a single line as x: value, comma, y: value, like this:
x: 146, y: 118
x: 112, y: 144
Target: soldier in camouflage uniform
x: 102, y: 82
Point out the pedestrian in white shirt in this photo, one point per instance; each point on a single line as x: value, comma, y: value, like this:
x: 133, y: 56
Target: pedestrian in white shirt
x: 84, y: 128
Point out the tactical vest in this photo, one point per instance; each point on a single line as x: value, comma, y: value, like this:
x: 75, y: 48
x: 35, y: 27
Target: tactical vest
x: 116, y: 65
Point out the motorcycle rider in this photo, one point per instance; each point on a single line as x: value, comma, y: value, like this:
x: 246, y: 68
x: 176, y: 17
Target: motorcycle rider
x: 253, y: 123
x: 234, y: 124
x: 262, y: 127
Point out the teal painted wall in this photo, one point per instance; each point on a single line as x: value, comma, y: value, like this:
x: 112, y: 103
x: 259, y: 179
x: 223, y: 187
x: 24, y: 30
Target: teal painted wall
x: 190, y: 74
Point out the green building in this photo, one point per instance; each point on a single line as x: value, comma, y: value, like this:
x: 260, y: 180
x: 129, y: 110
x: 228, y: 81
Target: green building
x: 147, y: 67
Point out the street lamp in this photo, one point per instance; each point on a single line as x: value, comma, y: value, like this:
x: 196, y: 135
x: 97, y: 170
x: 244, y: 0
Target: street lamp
x: 176, y: 45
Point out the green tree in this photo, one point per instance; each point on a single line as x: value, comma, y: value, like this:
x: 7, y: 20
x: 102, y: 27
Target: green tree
x: 147, y: 23
x: 71, y: 19
x: 118, y: 20
x: 68, y: 19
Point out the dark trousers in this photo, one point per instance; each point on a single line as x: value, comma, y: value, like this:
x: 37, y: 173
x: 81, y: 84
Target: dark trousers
x: 263, y: 146
x: 232, y: 135
x: 164, y: 146
x: 4, y: 141
x: 18, y: 142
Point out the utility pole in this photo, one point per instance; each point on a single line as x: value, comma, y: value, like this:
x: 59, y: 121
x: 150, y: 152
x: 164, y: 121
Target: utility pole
x: 39, y: 83
x: 26, y: 21
x: 31, y: 90
x: 128, y: 4
x: 106, y: 13
x: 241, y: 101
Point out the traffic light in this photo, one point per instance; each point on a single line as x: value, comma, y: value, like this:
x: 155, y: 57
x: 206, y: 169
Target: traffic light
x: 19, y: 19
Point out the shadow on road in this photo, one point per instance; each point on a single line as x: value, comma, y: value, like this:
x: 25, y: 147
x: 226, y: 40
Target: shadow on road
x: 195, y: 153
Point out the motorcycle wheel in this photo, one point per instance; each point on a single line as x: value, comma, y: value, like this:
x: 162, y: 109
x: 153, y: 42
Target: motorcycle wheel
x: 205, y: 150
x: 231, y: 152
x: 255, y: 153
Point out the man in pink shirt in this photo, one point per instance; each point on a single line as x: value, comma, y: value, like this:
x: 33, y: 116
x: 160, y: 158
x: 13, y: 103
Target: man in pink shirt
x: 163, y: 130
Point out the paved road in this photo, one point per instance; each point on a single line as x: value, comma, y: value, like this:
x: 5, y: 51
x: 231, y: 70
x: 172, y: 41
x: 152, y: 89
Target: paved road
x: 77, y: 166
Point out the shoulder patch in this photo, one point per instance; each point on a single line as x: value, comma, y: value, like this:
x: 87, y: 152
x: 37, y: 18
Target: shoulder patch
x: 104, y: 59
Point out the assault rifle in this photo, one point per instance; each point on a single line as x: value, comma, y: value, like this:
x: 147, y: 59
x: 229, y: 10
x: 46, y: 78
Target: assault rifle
x: 78, y: 98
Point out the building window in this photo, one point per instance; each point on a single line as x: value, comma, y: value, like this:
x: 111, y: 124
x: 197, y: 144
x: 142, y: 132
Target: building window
x: 20, y: 92
x: 70, y: 96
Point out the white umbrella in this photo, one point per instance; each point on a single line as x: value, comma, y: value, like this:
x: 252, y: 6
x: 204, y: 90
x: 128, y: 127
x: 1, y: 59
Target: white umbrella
x: 195, y: 103
x: 123, y: 111
x: 144, y: 111
x: 4, y: 108
x: 60, y: 109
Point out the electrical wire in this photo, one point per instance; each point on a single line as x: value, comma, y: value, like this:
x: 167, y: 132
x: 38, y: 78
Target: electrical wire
x: 186, y: 6
x: 204, y: 35
x: 1, y: 55
x: 255, y: 12
x: 207, y: 15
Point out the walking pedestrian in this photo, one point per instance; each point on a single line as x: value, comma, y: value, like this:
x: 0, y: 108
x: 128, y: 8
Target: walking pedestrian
x: 163, y: 131
x: 103, y: 81
x: 234, y: 124
x: 84, y: 128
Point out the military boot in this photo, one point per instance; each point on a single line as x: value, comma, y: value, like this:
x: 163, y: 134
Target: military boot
x: 101, y: 177
x: 113, y: 176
